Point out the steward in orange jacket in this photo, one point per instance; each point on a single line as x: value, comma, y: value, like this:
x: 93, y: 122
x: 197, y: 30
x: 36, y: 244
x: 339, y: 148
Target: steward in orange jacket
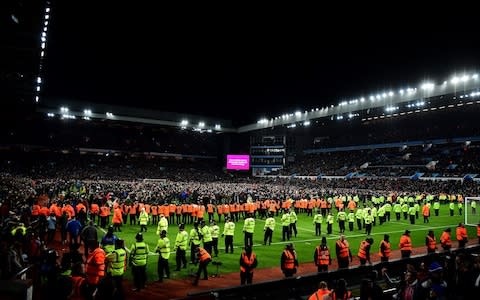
x: 405, y: 244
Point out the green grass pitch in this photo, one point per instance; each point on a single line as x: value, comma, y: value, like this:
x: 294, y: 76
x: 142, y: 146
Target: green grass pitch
x: 304, y: 243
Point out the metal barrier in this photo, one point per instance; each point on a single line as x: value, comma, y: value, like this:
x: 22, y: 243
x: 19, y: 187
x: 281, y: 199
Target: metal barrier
x: 302, y: 286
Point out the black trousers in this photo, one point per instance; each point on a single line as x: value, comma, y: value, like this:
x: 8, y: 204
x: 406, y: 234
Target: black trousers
x: 215, y: 245
x: 322, y: 268
x: 162, y: 267
x: 341, y: 224
x: 133, y: 220
x: 406, y: 253
x: 248, y: 238
x: 229, y: 243
x: 318, y: 228
x: 285, y: 231
x: 246, y: 278
x: 139, y: 276
x: 350, y: 226
x: 181, y: 258
x: 208, y: 247
x: 202, y: 267
x: 293, y: 229
x: 343, y: 262
x: 267, y: 237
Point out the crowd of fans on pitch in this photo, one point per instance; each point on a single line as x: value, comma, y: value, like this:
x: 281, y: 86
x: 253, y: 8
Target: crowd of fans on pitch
x: 24, y: 242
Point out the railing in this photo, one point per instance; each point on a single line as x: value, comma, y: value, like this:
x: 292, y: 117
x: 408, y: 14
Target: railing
x: 303, y: 286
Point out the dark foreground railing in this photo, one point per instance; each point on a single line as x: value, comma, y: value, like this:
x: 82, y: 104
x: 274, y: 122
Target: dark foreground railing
x: 303, y: 286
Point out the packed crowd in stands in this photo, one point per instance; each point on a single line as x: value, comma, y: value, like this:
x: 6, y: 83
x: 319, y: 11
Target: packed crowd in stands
x: 451, y: 160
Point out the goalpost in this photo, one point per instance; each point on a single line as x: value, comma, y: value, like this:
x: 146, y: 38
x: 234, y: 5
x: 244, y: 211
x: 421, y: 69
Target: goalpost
x: 472, y: 214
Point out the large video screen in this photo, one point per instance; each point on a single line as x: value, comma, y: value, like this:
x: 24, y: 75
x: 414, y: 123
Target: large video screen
x: 238, y: 162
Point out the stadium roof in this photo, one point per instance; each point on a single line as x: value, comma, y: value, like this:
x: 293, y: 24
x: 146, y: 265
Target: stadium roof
x: 236, y: 66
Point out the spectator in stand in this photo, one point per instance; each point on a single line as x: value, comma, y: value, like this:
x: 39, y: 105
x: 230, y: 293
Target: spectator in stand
x: 340, y: 291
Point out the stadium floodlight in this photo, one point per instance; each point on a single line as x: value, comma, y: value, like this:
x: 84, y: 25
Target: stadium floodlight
x: 50, y: 115
x: 87, y: 112
x: 316, y: 109
x: 64, y: 109
x: 184, y: 122
x: 109, y: 114
x: 401, y: 92
x: 44, y: 33
x: 47, y: 9
x: 45, y: 29
x: 38, y: 88
x: 43, y: 45
x: 455, y: 80
x: 45, y: 23
x: 201, y: 124
x: 306, y: 123
x: 384, y: 95
x: 39, y: 80
x: 86, y: 118
x: 43, y: 39
x: 372, y: 98
x: 37, y: 98
x: 298, y: 114
x: 42, y: 53
x: 465, y: 78
x: 390, y: 93
x: 475, y: 76
x: 428, y: 86
x: 362, y: 99
x: 47, y: 16
x: 218, y: 126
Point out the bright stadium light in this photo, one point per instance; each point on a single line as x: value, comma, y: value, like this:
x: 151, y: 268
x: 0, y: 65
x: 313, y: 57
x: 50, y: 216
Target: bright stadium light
x: 372, y: 98
x: 401, y: 92
x: 37, y: 98
x: 427, y: 86
x: 50, y: 115
x: 87, y: 112
x: 201, y: 124
x: 109, y: 114
x: 465, y: 78
x: 362, y: 99
x: 184, y: 122
x: 47, y: 16
x: 445, y: 82
x: 455, y: 80
x: 218, y: 126
x: 390, y: 93
x: 39, y: 80
x: 47, y: 9
x: 475, y: 76
x: 306, y: 123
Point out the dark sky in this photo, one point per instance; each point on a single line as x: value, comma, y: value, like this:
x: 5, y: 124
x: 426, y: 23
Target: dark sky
x: 239, y: 66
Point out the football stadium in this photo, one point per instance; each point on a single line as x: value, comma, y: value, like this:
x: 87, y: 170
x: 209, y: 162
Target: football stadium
x: 370, y: 196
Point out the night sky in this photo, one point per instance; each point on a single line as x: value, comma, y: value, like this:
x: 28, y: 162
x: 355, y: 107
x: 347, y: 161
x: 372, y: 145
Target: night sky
x: 236, y: 66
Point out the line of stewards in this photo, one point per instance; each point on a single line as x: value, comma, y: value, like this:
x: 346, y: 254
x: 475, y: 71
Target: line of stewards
x: 343, y: 252
x: 138, y: 261
x: 405, y: 244
x: 446, y: 239
x: 203, y: 259
x: 248, y: 262
x: 116, y: 267
x: 385, y: 249
x: 289, y: 261
x: 322, y: 256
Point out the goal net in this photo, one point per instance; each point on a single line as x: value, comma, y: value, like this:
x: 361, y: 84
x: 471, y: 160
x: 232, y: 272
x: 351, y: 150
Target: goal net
x: 472, y: 214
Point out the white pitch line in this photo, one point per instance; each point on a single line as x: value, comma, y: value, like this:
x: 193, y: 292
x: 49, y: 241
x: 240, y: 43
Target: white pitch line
x: 408, y: 224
